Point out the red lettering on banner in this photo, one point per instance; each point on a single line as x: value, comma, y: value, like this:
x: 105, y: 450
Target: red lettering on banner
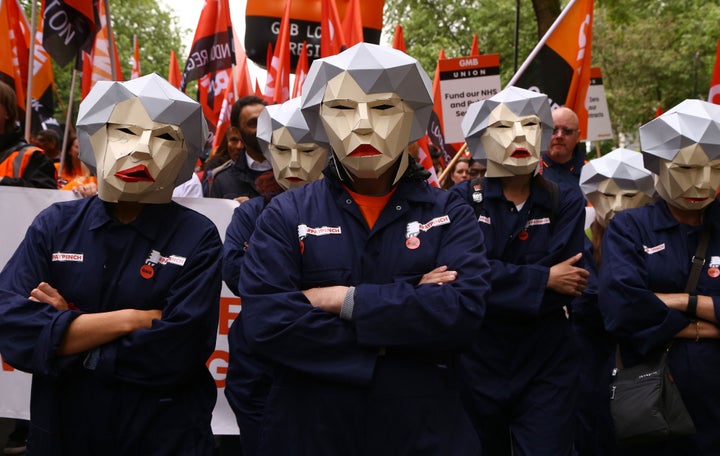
x: 228, y: 313
x: 217, y: 364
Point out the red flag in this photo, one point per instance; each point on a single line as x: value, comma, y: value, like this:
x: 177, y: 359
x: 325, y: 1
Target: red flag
x: 424, y: 158
x: 352, y: 24
x: 258, y: 91
x: 301, y: 71
x: 243, y: 83
x: 332, y: 39
x: 559, y: 66
x: 659, y: 111
x: 100, y: 65
x: 399, y: 39
x: 223, y: 118
x: 213, y: 90
x: 69, y: 27
x: 212, y: 48
x: 277, y: 88
x: 174, y: 76
x: 14, y: 50
x: 714, y: 95
x: 135, y: 72
x: 475, y: 48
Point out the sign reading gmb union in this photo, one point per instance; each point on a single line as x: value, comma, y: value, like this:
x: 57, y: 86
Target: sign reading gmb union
x: 464, y: 81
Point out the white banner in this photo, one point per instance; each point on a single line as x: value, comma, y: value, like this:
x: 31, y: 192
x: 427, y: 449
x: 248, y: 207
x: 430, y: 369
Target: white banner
x: 599, y: 127
x: 464, y: 81
x: 19, y: 206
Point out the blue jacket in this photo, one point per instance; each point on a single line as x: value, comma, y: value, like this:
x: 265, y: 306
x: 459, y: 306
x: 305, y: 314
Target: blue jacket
x: 521, y: 372
x: 646, y: 250
x: 520, y: 267
x: 236, y: 180
x: 565, y: 174
x: 383, y: 382
x: 146, y: 393
x: 249, y: 376
x: 237, y: 235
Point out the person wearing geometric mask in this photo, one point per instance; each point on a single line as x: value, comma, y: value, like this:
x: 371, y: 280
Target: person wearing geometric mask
x: 612, y: 183
x: 363, y: 287
x: 297, y: 159
x: 520, y: 376
x: 111, y: 302
x: 647, y: 259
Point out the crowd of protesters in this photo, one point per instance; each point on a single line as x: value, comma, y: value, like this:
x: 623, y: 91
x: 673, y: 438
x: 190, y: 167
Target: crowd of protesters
x: 382, y: 316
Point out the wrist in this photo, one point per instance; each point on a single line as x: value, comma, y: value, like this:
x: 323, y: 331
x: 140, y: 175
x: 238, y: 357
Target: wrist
x: 348, y: 304
x: 691, y: 310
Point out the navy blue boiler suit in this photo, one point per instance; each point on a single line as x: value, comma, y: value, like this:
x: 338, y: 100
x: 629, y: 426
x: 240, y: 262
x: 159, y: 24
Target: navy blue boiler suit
x: 249, y: 376
x: 149, y: 392
x: 647, y: 251
x: 521, y: 374
x: 385, y: 382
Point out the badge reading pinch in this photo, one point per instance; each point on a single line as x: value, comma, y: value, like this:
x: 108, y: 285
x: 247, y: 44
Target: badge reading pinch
x: 523, y: 235
x: 714, y: 272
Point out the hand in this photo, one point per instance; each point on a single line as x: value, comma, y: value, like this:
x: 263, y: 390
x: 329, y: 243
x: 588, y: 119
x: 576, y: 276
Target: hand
x: 241, y: 199
x: 86, y: 190
x: 329, y: 299
x: 439, y: 275
x: 49, y: 295
x: 567, y: 279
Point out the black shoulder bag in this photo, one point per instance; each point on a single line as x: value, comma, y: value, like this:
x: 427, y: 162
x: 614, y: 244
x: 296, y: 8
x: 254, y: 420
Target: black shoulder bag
x: 645, y: 403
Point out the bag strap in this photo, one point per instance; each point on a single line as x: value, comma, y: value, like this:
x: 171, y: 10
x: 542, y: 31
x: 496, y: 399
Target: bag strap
x: 698, y: 260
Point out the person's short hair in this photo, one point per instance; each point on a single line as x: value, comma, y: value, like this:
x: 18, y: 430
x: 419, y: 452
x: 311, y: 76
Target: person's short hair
x: 375, y: 69
x: 238, y: 106
x: 8, y: 99
x: 163, y: 102
x: 522, y: 102
x: 49, y: 135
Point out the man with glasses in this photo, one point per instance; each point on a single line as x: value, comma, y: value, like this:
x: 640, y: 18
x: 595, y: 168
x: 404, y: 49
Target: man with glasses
x: 564, y: 159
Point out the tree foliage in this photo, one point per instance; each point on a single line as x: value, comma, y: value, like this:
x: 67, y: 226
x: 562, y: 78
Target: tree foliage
x: 651, y: 52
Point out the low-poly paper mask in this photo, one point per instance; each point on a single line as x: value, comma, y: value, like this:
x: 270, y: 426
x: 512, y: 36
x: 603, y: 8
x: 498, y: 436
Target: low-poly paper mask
x: 285, y: 140
x: 140, y: 137
x: 369, y: 102
x: 682, y: 147
x: 615, y: 182
x: 509, y: 131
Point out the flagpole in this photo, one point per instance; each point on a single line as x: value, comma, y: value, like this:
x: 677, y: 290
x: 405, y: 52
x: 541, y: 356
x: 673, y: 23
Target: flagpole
x: 68, y: 118
x: 540, y: 44
x: 456, y: 157
x: 31, y: 65
x: 111, y: 41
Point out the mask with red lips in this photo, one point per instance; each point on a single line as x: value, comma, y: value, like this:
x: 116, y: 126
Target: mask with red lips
x: 511, y: 142
x: 369, y: 132
x: 137, y: 158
